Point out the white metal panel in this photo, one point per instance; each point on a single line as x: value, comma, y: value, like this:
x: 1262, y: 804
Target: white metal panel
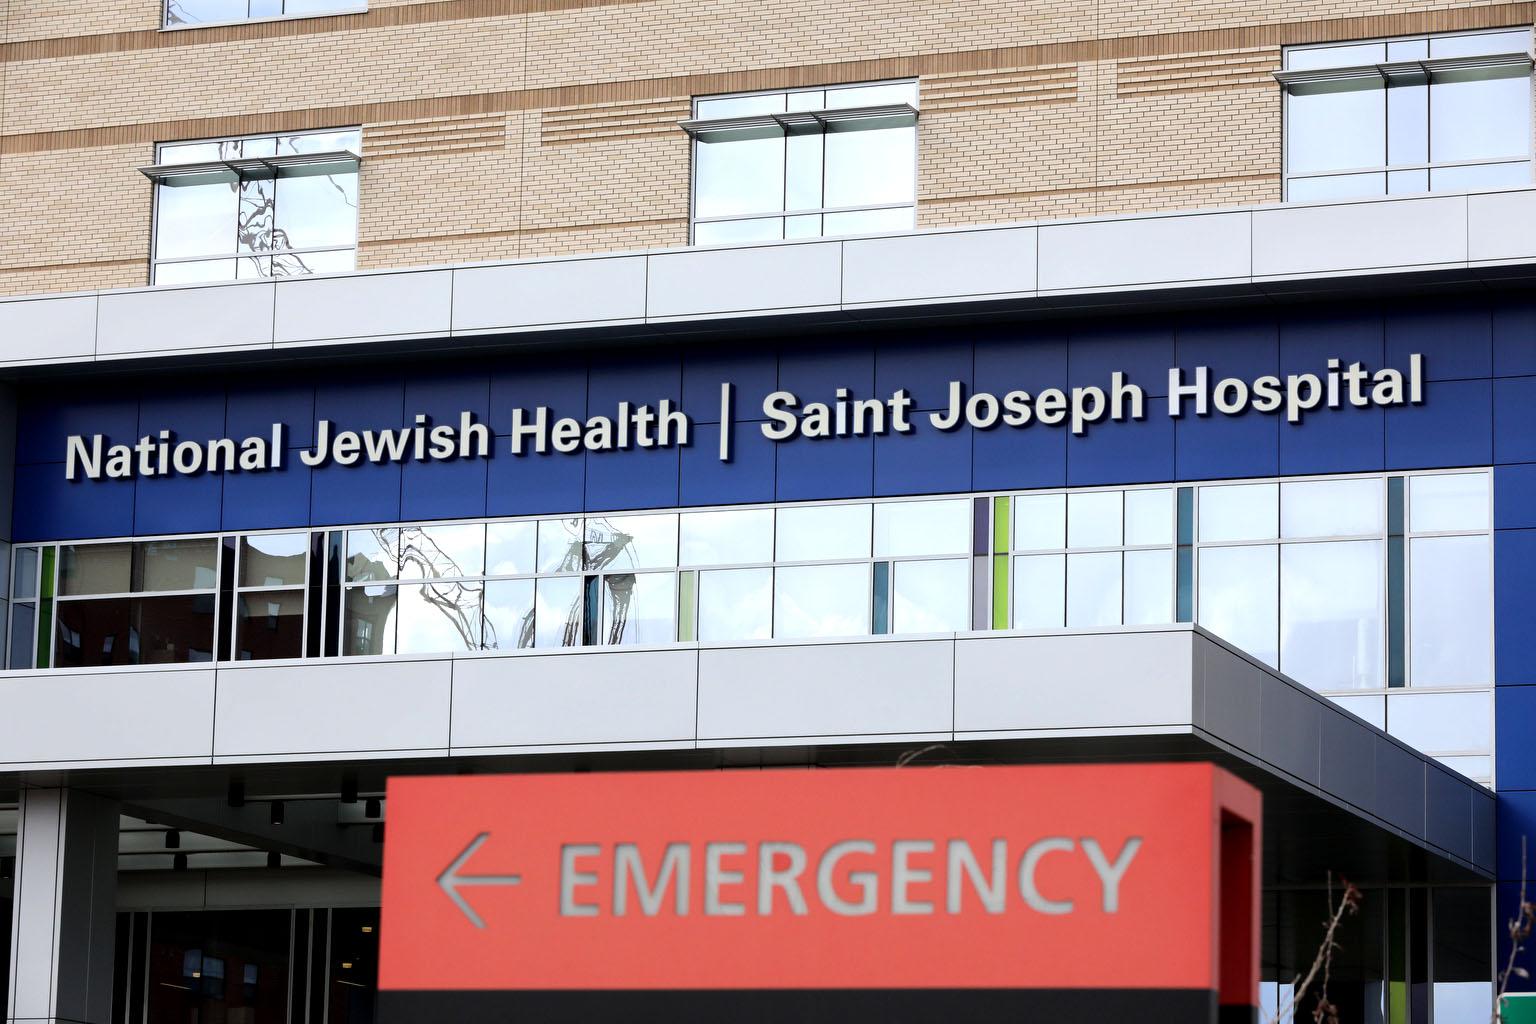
x: 39, y: 330
x: 186, y: 319
x: 1135, y: 252
x: 832, y: 689
x: 571, y: 697
x: 751, y: 279
x: 1499, y: 225
x: 1301, y: 241
x: 64, y: 716
x: 409, y: 303
x: 1074, y: 681
x: 941, y: 265
x: 333, y: 707
x: 562, y: 291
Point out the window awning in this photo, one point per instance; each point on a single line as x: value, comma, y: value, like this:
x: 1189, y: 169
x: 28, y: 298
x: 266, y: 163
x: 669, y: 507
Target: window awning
x: 1406, y: 68
x: 800, y: 122
x: 250, y: 168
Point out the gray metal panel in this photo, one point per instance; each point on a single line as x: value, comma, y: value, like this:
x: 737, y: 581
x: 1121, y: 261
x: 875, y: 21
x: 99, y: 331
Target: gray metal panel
x: 1484, y: 830
x: 1140, y: 251
x: 749, y: 279
x: 333, y: 707
x: 1228, y: 710
x: 849, y: 689
x: 1344, y: 237
x: 1073, y: 681
x: 312, y: 309
x: 563, y: 291
x: 40, y: 330
x: 1399, y: 787
x: 1348, y: 760
x: 64, y: 716
x: 899, y: 268
x: 1499, y: 225
x: 1371, y: 707
x: 1448, y: 812
x: 1292, y: 728
x: 574, y: 698
x: 186, y: 319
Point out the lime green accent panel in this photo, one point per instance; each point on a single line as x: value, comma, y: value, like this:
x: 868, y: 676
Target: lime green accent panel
x: 1000, y: 591
x: 1000, y: 525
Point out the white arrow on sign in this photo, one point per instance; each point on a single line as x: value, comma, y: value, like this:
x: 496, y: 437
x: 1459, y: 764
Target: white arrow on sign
x: 451, y: 881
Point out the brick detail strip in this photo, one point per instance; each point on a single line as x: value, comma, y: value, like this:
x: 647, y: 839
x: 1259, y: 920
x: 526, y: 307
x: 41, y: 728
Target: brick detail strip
x: 623, y: 120
x: 441, y: 135
x: 1235, y: 69
x: 1001, y: 90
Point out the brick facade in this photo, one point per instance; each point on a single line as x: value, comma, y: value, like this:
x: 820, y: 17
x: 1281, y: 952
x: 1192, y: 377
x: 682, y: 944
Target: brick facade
x: 498, y: 129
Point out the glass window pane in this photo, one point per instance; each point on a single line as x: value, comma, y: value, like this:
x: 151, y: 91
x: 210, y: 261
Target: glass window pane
x: 171, y: 630
x: 1480, y: 113
x: 1335, y: 186
x: 316, y: 208
x: 95, y: 569
x: 1239, y: 598
x: 1351, y: 55
x: 867, y: 167
x: 218, y: 965
x: 193, y: 152
x: 557, y: 612
x: 1336, y: 125
x: 632, y: 542
x: 1407, y: 183
x: 321, y: 142
x: 253, y: 226
x: 1149, y: 517
x: 1477, y: 44
x: 739, y: 106
x: 1407, y: 49
x: 810, y: 533
x: 808, y: 99
x: 728, y: 536
x: 1331, y: 615
x: 373, y: 554
x: 24, y: 573
x: 1330, y: 508
x: 922, y: 528
x: 439, y: 617
x: 175, y: 565
x: 94, y: 633
x: 273, y: 559
x: 1148, y: 587
x: 509, y: 617
x: 872, y: 95
x: 560, y: 545
x: 1039, y: 522
x: 339, y: 261
x: 738, y: 175
x: 639, y: 608
x: 439, y: 552
x: 1475, y: 767
x: 807, y: 226
x: 735, y: 604
x: 868, y: 222
x: 821, y: 600
x: 1094, y: 519
x: 368, y: 621
x: 931, y: 596
x: 802, y: 186
x: 727, y: 232
x: 1408, y: 121
x: 1450, y: 501
x: 190, y: 12
x: 1449, y: 615
x: 270, y: 625
x: 1478, y: 176
x: 1239, y: 512
x: 195, y: 217
x: 23, y: 635
x: 1093, y: 590
x: 1039, y: 591
x: 510, y: 548
x: 195, y: 272
x: 1442, y: 723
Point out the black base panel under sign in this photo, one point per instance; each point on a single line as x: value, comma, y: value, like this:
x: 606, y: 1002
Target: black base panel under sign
x: 835, y: 1006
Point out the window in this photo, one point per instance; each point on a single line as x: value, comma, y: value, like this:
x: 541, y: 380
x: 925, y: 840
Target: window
x: 1398, y: 116
x: 273, y: 206
x: 213, y: 12
x: 804, y: 163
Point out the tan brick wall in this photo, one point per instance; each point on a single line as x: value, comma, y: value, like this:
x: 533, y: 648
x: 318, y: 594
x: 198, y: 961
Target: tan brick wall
x: 498, y: 129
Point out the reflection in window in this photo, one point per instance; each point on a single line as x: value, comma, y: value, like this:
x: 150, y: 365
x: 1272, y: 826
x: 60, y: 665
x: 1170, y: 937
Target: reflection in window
x: 1448, y: 501
x: 931, y: 596
x: 638, y: 608
x: 1239, y: 597
x: 1331, y: 614
x: 922, y: 528
x: 558, y: 607
x: 219, y: 965
x: 270, y: 625
x: 508, y: 615
x: 275, y: 206
x: 809, y: 533
x: 1039, y: 591
x: 777, y: 176
x: 368, y: 622
x: 439, y: 617
x: 735, y: 604
x: 212, y: 12
x: 1449, y: 625
x: 821, y: 600
x: 729, y: 536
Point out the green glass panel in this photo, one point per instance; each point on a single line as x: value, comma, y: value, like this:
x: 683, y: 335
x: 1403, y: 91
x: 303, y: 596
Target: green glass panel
x: 1000, y: 520
x: 50, y: 555
x: 45, y: 610
x: 1397, y: 585
x: 687, y: 606
x: 882, y: 598
x: 1000, y: 591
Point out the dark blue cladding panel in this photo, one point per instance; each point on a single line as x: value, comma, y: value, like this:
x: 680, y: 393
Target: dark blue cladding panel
x: 1143, y: 354
x: 1514, y: 713
x: 1514, y: 339
x: 1212, y: 447
x: 748, y: 477
x: 1307, y: 342
x: 1514, y: 497
x: 1004, y: 458
x: 1514, y: 605
x: 264, y: 501
x: 1244, y: 349
x: 48, y: 507
x: 1021, y: 360
x: 825, y: 468
x: 639, y: 380
x: 189, y: 416
x: 1345, y: 440
x: 362, y: 405
x: 520, y: 485
x: 1456, y: 341
x: 815, y: 374
x: 755, y: 376
x: 1514, y: 420
x: 178, y: 504
x: 1517, y: 818
x: 926, y: 461
x: 44, y: 423
x: 444, y: 398
x: 561, y: 387
x: 1111, y: 453
x: 924, y: 368
x: 251, y: 411
x: 636, y: 478
x: 1454, y: 427
x: 443, y: 490
x: 363, y: 493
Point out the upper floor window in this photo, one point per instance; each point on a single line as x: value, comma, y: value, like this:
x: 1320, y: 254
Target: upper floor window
x: 268, y: 206
x: 804, y: 163
x: 1399, y: 116
x: 214, y: 12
